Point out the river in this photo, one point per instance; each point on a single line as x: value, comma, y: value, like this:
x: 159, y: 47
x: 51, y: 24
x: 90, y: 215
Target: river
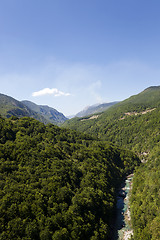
x: 123, y: 230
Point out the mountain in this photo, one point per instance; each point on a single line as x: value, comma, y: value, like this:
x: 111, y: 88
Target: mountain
x: 50, y: 114
x: 124, y: 118
x: 12, y: 107
x: 57, y: 183
x: 70, y: 116
x: 95, y: 109
x: 134, y: 124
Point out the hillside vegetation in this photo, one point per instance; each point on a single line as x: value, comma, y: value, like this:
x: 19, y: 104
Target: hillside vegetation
x: 57, y: 183
x: 12, y: 107
x: 50, y: 114
x: 135, y: 124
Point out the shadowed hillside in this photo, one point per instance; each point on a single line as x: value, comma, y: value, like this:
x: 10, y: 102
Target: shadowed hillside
x: 51, y: 114
x: 11, y: 107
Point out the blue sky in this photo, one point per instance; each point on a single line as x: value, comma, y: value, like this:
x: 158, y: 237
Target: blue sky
x: 69, y: 54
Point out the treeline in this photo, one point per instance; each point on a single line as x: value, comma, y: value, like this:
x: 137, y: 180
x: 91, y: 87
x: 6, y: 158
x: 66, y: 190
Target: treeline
x: 57, y: 183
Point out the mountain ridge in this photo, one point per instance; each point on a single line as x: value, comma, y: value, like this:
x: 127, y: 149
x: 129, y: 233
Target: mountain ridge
x: 130, y: 110
x: 10, y: 106
x: 51, y: 114
x: 96, y: 108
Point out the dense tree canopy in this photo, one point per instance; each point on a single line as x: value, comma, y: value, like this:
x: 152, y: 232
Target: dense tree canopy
x: 135, y: 125
x: 57, y: 183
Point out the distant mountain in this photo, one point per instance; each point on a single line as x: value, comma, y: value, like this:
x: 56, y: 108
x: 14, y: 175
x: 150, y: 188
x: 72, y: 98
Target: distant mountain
x: 12, y: 107
x: 70, y: 116
x: 50, y: 114
x: 97, y: 108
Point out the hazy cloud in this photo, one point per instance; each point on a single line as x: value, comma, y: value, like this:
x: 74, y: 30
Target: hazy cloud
x: 94, y: 89
x: 52, y: 91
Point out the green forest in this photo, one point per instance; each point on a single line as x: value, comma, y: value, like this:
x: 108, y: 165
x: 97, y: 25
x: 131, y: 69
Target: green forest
x: 135, y: 124
x: 57, y: 183
x: 61, y: 183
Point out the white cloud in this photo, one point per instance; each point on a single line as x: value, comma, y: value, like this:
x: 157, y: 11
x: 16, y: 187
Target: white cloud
x: 52, y: 91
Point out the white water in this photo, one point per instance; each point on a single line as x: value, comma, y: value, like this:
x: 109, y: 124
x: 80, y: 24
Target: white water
x: 123, y: 227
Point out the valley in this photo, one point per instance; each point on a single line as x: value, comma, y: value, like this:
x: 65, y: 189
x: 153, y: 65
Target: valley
x: 135, y: 124
x: 57, y: 183
x: 79, y: 120
x: 62, y: 182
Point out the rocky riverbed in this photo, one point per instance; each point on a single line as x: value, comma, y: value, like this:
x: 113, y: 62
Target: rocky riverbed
x: 122, y: 225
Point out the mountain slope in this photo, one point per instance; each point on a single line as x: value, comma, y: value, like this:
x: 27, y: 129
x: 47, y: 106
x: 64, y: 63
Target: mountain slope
x: 57, y: 183
x: 135, y: 124
x: 123, y: 122
x: 95, y: 109
x: 51, y: 114
x: 11, y: 107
